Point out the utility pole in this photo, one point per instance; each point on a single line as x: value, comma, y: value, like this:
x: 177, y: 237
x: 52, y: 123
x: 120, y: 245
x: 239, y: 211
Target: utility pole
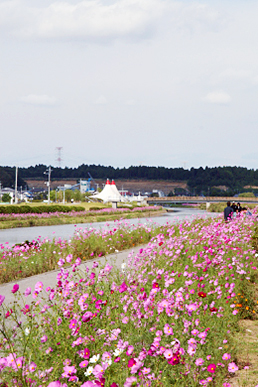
x: 16, y: 180
x: 48, y: 172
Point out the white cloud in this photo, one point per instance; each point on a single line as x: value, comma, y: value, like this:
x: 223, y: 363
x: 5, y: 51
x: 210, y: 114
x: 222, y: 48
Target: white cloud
x: 40, y: 100
x: 97, y: 21
x: 85, y: 19
x: 218, y: 97
x: 101, y: 100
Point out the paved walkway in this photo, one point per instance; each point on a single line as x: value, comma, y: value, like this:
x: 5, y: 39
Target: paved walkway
x: 49, y: 278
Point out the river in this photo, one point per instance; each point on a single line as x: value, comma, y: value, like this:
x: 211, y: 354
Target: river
x: 66, y: 231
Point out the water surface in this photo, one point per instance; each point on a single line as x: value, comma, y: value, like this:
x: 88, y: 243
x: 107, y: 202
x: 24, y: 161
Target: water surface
x: 66, y: 231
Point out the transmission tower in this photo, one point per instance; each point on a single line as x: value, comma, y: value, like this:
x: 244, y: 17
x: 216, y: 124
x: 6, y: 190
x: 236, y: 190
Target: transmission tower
x: 59, y: 155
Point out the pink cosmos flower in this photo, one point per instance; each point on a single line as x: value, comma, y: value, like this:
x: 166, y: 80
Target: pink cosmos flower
x: 106, y: 356
x: 55, y: 384
x: 146, y: 371
x: 168, y: 330
x: 226, y: 356
x: 129, y: 381
x: 168, y: 353
x: 129, y: 350
x: 2, y: 298
x: 39, y: 286
x: 69, y: 258
x: 27, y: 292
x: 32, y: 367
x: 125, y: 320
x: 43, y: 339
x: 83, y: 363
x: 136, y: 366
x: 69, y: 371
x: 199, y: 361
x: 232, y: 367
x: 99, y: 370
x: 88, y: 384
x: 73, y: 379
x: 87, y: 316
x: 73, y: 324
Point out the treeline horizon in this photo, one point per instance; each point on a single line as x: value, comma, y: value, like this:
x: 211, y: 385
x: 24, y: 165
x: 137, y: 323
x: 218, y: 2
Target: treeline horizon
x: 199, y: 180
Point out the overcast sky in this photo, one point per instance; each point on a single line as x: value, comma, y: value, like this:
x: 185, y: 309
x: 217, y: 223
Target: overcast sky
x: 129, y: 82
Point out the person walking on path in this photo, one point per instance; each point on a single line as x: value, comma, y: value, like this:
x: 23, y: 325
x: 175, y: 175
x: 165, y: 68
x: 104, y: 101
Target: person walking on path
x: 228, y: 212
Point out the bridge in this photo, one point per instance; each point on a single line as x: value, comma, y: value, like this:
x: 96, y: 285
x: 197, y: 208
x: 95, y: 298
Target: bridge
x: 199, y: 199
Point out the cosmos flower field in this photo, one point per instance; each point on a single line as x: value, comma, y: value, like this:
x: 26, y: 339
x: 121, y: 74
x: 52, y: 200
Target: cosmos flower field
x: 167, y: 317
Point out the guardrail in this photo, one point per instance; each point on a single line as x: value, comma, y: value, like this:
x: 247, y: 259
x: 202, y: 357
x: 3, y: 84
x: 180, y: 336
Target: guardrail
x: 201, y: 199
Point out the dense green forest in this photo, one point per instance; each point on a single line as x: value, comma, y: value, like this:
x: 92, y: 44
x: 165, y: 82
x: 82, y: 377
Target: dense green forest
x: 199, y: 180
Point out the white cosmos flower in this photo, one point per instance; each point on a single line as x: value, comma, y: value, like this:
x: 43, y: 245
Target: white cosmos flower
x: 94, y: 359
x: 89, y: 371
x: 117, y: 352
x: 27, y: 331
x: 109, y: 362
x: 123, y: 266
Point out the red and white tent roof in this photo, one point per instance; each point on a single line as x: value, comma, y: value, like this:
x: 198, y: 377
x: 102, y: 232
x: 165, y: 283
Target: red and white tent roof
x: 109, y: 193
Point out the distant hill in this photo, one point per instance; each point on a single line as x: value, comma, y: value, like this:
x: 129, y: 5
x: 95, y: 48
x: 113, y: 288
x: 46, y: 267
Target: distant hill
x: 206, y: 181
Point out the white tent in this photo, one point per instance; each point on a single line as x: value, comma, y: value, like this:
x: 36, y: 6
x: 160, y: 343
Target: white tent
x: 109, y: 193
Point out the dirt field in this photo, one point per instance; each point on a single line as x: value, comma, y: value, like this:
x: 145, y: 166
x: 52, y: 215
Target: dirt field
x: 131, y: 185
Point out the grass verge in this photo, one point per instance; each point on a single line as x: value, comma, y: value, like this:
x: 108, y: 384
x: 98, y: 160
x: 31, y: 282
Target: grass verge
x: 68, y: 219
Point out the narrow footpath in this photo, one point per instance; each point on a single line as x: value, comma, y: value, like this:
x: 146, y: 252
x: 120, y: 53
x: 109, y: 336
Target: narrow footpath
x: 50, y: 278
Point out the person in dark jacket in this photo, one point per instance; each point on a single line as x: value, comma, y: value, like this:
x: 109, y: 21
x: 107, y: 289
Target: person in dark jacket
x: 228, y: 212
x: 239, y: 208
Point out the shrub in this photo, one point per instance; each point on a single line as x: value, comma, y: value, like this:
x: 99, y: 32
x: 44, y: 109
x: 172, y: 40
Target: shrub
x: 38, y: 209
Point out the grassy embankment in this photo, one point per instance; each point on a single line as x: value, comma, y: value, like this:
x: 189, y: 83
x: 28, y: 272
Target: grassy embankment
x: 35, y: 257
x: 173, y: 314
x: 87, y: 216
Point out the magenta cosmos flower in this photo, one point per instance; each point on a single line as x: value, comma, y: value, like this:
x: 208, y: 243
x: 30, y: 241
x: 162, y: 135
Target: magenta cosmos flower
x: 211, y: 368
x: 15, y: 288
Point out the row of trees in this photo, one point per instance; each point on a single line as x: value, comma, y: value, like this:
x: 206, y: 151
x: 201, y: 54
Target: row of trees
x: 207, y: 181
